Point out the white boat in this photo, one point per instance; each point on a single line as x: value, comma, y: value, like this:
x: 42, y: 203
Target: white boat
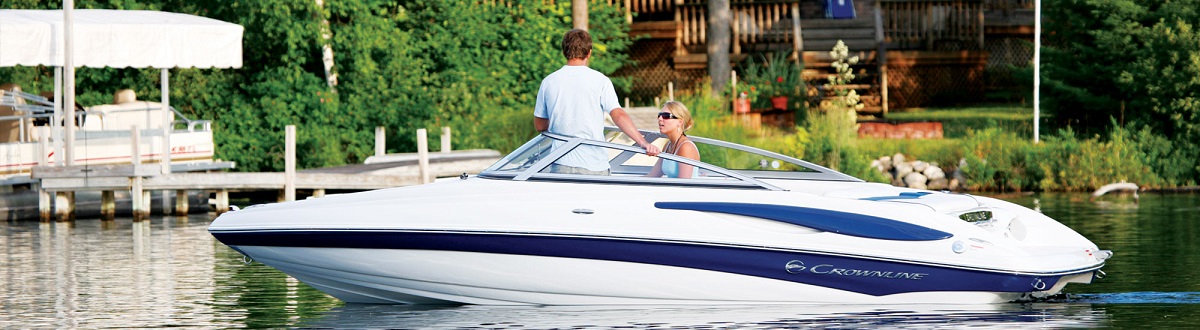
x: 754, y: 227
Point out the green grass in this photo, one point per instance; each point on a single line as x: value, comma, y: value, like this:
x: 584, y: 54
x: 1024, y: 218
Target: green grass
x: 957, y: 121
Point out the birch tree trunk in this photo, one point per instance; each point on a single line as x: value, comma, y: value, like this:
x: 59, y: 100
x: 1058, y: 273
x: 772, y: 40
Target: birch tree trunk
x: 327, y: 48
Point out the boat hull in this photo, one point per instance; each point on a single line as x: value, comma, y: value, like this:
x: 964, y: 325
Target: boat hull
x: 423, y: 267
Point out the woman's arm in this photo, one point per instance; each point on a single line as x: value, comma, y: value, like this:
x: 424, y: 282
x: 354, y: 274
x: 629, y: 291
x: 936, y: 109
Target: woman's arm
x: 656, y: 171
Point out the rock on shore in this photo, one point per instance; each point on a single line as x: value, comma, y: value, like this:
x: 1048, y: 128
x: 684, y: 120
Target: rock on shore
x: 918, y: 174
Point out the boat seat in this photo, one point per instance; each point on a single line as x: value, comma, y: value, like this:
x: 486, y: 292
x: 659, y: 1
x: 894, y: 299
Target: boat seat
x: 125, y: 111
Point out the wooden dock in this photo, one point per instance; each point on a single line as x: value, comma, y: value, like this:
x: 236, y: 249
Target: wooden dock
x: 385, y: 171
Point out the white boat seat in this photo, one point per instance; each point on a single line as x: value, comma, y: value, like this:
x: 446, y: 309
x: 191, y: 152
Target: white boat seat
x: 124, y: 113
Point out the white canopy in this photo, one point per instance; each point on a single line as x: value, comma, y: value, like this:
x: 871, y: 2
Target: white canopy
x: 119, y: 38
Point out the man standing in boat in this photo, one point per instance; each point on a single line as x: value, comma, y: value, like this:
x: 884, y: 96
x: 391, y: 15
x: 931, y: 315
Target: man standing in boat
x: 573, y: 101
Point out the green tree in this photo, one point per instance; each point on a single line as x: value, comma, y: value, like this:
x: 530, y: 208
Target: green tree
x: 1133, y: 61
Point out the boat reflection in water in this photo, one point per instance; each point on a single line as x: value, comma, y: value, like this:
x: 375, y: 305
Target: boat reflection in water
x: 921, y: 316
x: 753, y: 227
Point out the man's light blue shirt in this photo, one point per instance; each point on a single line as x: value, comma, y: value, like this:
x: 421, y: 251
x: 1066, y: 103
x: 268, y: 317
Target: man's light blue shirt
x: 575, y: 100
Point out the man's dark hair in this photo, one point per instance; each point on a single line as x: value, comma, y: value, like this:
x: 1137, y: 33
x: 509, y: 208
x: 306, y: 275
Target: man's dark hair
x: 576, y: 44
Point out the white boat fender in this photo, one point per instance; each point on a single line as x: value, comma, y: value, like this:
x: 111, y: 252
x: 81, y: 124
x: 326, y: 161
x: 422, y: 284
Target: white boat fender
x: 1117, y: 186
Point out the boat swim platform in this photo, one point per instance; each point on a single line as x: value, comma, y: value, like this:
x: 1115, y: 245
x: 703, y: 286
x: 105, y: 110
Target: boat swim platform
x: 386, y: 171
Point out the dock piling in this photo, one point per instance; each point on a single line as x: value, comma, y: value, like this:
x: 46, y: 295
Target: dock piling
x: 44, y: 201
x: 64, y: 205
x: 108, y: 205
x: 181, y: 202
x: 380, y: 141
x: 44, y: 209
x: 445, y: 139
x: 138, y: 197
x: 289, y: 164
x: 423, y: 155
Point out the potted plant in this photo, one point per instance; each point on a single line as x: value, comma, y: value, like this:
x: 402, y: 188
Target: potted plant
x: 776, y: 78
x: 746, y: 94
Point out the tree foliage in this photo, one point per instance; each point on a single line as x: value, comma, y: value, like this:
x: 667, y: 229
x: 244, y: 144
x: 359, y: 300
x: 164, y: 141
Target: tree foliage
x: 1135, y: 61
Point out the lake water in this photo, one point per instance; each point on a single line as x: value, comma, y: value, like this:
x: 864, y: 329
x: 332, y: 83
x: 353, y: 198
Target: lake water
x: 169, y: 272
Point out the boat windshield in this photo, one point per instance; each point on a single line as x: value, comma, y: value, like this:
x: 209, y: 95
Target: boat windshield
x: 721, y: 163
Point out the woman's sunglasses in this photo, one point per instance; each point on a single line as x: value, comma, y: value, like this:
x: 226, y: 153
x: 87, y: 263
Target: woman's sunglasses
x: 666, y: 115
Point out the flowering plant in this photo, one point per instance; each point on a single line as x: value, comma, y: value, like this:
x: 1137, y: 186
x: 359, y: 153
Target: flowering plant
x: 747, y: 91
x: 774, y: 76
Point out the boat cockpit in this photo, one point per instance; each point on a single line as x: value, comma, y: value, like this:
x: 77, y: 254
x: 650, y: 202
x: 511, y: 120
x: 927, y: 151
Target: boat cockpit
x: 722, y: 164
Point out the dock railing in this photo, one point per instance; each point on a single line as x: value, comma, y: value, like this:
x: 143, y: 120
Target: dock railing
x: 63, y: 181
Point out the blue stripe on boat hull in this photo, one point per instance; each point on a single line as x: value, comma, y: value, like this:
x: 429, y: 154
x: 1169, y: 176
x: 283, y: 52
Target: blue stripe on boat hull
x: 849, y: 273
x: 844, y: 223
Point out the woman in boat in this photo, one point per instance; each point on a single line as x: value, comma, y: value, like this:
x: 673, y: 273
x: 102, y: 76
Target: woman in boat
x: 674, y: 121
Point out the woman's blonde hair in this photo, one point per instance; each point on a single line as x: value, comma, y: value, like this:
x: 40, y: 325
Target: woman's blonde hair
x: 680, y: 111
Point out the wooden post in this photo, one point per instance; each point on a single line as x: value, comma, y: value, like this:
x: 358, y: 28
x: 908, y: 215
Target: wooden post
x: 141, y: 207
x: 56, y: 118
x: 221, y: 204
x: 679, y: 49
x: 423, y: 155
x: 734, y: 97
x: 68, y: 82
x: 44, y: 205
x: 43, y: 134
x: 318, y: 193
x: 737, y: 31
x: 628, y: 12
x: 108, y: 205
x: 44, y: 208
x: 167, y: 126
x: 181, y: 202
x: 670, y: 91
x: 380, y: 141
x: 798, y: 39
x: 980, y: 21
x: 289, y: 164
x: 881, y: 59
x: 445, y: 139
x: 64, y: 205
x: 138, y: 196
x: 627, y: 103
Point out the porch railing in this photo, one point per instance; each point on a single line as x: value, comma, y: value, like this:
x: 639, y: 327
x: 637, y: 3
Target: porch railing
x: 752, y: 21
x: 1008, y: 4
x: 930, y: 24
